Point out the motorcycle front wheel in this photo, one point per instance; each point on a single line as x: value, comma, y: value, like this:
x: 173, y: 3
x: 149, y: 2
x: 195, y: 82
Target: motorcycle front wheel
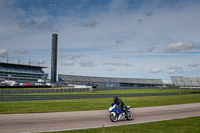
x: 113, y: 116
x: 129, y: 115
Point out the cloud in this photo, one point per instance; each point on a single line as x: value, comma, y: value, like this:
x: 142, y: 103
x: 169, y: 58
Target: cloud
x: 63, y: 56
x: 128, y: 65
x: 67, y: 63
x: 72, y: 57
x: 41, y: 62
x: 27, y: 24
x: 140, y: 21
x: 156, y: 70
x: 21, y: 51
x: 3, y: 52
x: 114, y: 63
x: 87, y: 64
x: 119, y: 41
x: 110, y: 69
x: 90, y: 23
x: 149, y: 49
x: 193, y: 65
x: 77, y: 56
x: 173, y: 70
x: 180, y: 46
x: 45, y: 25
x: 149, y: 14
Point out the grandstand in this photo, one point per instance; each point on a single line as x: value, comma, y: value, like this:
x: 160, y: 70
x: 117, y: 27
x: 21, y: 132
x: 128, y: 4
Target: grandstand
x: 22, y: 73
x: 109, y: 81
x: 181, y: 81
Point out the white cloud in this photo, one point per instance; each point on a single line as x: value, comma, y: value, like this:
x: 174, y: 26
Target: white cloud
x: 173, y: 70
x: 156, y: 70
x: 90, y: 23
x: 3, y: 52
x: 63, y: 56
x: 77, y: 56
x: 180, y: 46
x: 128, y: 65
x: 193, y: 65
x: 149, y: 49
x: 67, y: 63
x: 113, y: 63
x: 21, y: 51
x: 110, y: 69
x: 41, y: 62
x: 45, y: 25
x: 87, y: 64
x: 72, y: 57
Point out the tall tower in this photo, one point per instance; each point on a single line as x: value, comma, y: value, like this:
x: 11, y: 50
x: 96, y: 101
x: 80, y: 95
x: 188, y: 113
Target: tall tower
x: 54, y: 58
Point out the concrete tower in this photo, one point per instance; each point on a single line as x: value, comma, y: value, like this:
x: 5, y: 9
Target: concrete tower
x: 54, y: 58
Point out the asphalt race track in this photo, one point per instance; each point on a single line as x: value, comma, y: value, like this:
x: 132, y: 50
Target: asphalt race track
x: 38, y: 122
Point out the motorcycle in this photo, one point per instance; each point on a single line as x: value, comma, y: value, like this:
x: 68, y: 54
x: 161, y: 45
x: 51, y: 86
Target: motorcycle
x: 117, y: 113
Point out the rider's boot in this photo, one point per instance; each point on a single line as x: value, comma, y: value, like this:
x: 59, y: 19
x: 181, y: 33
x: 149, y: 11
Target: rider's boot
x: 125, y: 114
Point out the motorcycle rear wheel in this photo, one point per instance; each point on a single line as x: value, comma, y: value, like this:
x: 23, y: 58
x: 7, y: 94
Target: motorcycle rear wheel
x: 113, y: 116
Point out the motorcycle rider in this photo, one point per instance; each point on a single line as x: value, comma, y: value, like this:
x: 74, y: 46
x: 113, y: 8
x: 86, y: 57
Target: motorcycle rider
x: 120, y: 103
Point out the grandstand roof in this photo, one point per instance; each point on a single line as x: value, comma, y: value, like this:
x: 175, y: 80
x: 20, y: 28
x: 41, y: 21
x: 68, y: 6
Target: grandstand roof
x: 21, y: 65
x: 76, y: 78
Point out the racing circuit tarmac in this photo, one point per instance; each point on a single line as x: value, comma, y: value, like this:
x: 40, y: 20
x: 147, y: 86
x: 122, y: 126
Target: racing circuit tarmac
x: 38, y: 122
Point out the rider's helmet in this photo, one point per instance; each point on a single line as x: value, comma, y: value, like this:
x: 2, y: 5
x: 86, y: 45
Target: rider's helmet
x: 115, y: 98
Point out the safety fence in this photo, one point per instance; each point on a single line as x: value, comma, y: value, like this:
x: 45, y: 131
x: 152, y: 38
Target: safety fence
x: 27, y: 91
x: 64, y: 90
x: 23, y: 97
x: 105, y: 88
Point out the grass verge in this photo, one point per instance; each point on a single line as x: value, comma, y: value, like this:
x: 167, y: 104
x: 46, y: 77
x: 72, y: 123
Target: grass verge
x: 184, y: 125
x: 92, y: 103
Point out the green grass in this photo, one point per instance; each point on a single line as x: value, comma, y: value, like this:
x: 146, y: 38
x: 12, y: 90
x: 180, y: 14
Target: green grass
x: 184, y: 125
x: 92, y: 104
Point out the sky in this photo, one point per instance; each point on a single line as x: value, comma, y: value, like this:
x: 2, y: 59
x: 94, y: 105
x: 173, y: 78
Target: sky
x: 153, y: 39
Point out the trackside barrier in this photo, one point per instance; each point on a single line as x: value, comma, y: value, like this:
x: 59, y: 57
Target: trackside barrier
x: 64, y: 90
x: 29, y: 91
x: 78, y: 96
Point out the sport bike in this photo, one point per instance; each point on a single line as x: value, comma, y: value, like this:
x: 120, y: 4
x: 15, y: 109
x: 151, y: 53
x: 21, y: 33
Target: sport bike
x: 117, y: 113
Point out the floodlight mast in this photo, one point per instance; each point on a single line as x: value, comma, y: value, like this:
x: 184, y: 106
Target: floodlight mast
x: 54, y: 59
